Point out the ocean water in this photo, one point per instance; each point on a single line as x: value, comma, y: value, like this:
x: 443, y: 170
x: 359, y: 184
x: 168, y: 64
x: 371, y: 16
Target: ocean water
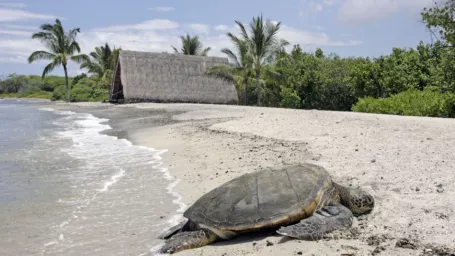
x: 68, y: 189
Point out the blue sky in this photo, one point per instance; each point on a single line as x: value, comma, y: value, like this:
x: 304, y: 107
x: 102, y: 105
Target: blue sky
x: 345, y: 27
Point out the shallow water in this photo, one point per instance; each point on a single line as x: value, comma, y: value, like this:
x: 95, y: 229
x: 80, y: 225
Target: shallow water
x: 67, y: 189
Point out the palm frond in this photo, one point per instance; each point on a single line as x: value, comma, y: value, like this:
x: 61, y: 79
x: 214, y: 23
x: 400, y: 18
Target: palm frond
x: 243, y: 30
x: 74, y: 47
x: 191, y: 45
x: 51, y: 66
x: 42, y: 35
x: 205, y: 51
x: 73, y: 32
x: 81, y: 58
x: 40, y: 55
x: 231, y: 56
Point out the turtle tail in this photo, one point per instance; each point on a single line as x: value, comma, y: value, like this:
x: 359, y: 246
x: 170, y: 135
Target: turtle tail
x: 188, y: 240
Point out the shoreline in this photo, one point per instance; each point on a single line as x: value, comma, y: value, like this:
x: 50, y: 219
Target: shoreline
x: 388, y: 156
x: 27, y: 99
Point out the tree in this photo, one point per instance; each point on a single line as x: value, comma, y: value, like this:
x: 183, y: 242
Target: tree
x: 263, y: 45
x: 439, y: 20
x: 62, y: 47
x: 102, y: 63
x: 192, y: 46
x: 241, y: 68
x: 319, y: 53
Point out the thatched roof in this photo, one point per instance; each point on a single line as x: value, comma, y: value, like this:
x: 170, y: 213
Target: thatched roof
x: 164, y: 77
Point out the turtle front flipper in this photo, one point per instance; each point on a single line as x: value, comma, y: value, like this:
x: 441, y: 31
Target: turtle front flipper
x: 323, y: 221
x: 188, y: 240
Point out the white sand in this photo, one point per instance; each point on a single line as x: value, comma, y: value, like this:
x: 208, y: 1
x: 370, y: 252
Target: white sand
x: 401, y: 161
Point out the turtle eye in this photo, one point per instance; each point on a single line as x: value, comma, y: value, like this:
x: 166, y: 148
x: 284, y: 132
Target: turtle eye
x: 368, y: 201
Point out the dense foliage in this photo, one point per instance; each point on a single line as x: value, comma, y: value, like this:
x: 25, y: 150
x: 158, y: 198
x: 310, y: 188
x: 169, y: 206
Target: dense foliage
x: 429, y: 102
x: 306, y: 80
x: 83, y: 88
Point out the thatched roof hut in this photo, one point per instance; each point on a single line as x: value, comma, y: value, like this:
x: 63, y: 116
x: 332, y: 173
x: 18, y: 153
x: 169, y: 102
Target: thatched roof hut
x: 164, y: 77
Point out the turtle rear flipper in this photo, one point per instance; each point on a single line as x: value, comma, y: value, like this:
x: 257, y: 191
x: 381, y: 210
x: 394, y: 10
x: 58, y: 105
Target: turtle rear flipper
x: 182, y: 226
x: 323, y: 221
x: 188, y: 240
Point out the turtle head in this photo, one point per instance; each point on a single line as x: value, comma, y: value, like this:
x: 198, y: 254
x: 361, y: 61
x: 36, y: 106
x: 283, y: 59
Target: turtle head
x: 357, y: 200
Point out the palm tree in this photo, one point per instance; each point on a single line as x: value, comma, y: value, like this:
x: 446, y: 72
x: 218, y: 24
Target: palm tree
x: 241, y: 68
x: 192, y: 46
x: 62, y: 47
x: 102, y: 63
x: 263, y: 45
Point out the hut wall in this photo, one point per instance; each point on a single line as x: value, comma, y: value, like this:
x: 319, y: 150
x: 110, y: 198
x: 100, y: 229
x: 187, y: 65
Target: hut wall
x: 116, y: 88
x: 166, y: 77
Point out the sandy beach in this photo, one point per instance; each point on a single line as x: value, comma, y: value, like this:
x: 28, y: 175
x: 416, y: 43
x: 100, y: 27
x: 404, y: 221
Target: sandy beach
x: 406, y: 163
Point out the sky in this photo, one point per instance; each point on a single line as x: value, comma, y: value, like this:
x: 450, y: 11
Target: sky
x: 366, y: 28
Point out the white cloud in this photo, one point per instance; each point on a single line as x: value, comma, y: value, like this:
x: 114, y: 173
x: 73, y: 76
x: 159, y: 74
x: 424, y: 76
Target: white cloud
x: 21, y: 27
x: 329, y: 2
x: 146, y: 25
x: 17, y: 49
x: 154, y: 36
x: 17, y: 15
x: 221, y: 28
x: 362, y: 11
x: 12, y: 5
x: 316, y: 7
x: 200, y: 28
x: 15, y: 32
x: 297, y: 36
x: 162, y: 9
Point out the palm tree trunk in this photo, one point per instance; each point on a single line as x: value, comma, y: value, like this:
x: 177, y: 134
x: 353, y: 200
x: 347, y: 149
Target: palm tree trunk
x: 258, y: 87
x: 246, y: 91
x: 67, y: 85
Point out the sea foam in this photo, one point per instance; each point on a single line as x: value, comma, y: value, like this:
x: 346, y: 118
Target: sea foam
x: 104, y: 156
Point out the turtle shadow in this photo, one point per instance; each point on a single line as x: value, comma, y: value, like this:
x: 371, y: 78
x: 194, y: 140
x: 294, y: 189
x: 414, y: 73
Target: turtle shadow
x: 253, y: 237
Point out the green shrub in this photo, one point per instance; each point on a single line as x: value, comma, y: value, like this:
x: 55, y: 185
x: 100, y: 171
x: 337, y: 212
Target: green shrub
x: 9, y: 95
x: 85, y: 93
x: 290, y: 99
x: 80, y: 93
x: 30, y: 89
x: 429, y: 102
x: 41, y: 95
x: 99, y: 94
x: 59, y: 93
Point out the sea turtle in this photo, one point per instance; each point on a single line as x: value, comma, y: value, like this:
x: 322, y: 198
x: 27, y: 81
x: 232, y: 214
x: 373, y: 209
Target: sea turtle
x: 300, y: 200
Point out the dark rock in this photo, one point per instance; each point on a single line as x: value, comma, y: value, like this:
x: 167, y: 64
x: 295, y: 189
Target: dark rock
x: 439, y: 189
x: 406, y: 243
x: 268, y: 243
x: 299, y: 253
x: 376, y: 240
x: 378, y: 250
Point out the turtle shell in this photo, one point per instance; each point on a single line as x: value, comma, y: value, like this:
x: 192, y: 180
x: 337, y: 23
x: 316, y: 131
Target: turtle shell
x: 264, y: 198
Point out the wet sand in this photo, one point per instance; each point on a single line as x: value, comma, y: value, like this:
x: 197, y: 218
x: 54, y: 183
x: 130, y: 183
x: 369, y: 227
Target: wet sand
x: 406, y: 163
